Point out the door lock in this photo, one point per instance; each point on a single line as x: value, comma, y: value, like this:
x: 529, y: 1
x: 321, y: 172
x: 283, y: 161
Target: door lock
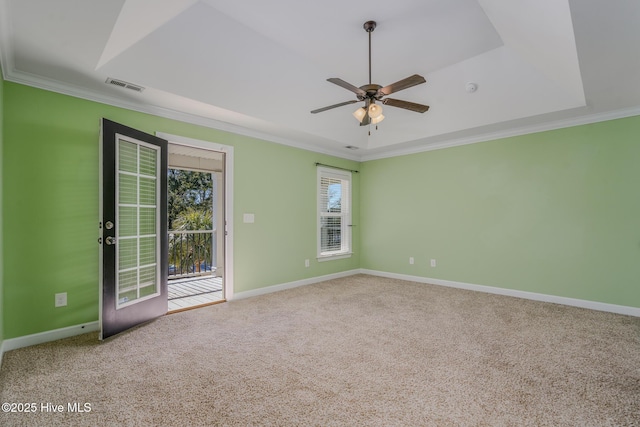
x: 108, y: 225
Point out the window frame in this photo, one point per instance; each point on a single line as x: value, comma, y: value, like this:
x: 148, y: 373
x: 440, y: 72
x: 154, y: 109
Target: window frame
x: 345, y: 225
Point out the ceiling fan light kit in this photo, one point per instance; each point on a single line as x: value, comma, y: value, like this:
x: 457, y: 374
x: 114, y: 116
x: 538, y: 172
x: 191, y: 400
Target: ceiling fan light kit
x: 375, y: 111
x: 376, y: 120
x: 359, y: 113
x: 371, y: 113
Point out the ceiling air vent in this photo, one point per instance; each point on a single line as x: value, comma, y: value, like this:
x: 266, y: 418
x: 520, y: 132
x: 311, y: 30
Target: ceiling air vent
x: 124, y: 84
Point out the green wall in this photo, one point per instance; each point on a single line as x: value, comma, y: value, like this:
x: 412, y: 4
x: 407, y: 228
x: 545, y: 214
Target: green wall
x: 51, y: 207
x: 555, y: 213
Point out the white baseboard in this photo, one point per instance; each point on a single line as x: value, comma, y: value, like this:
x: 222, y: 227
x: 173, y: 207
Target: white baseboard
x: 56, y: 334
x: 295, y: 284
x: 592, y: 305
x: 47, y: 336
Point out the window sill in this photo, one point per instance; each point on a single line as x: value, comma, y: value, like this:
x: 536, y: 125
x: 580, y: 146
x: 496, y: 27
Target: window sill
x: 323, y: 258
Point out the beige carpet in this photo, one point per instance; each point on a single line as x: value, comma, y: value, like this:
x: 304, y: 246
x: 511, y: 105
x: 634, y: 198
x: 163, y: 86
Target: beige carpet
x: 358, y: 351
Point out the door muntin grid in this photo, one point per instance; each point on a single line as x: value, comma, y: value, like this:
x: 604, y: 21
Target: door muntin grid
x: 137, y: 221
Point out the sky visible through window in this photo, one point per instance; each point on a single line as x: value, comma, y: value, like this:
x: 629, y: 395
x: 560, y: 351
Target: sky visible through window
x: 334, y: 193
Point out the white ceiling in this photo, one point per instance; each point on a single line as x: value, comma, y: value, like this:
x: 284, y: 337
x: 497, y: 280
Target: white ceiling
x: 258, y: 68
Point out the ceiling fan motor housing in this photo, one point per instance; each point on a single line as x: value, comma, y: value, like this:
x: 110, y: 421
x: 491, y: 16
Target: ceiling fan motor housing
x: 371, y: 92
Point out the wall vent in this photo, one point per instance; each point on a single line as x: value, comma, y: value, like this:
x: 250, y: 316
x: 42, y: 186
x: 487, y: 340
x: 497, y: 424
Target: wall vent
x: 124, y: 84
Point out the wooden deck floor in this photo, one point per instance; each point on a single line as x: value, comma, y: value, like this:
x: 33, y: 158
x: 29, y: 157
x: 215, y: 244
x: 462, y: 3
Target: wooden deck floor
x: 194, y: 291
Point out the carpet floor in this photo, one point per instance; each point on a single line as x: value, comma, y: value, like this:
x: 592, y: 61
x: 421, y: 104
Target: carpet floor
x: 356, y: 351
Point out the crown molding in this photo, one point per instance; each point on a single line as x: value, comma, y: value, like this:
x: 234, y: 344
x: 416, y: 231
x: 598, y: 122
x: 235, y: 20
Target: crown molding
x: 517, y: 131
x: 11, y: 74
x: 40, y: 82
x: 77, y: 92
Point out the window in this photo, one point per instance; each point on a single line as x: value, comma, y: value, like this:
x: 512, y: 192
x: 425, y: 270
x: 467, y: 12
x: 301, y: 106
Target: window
x: 334, y: 214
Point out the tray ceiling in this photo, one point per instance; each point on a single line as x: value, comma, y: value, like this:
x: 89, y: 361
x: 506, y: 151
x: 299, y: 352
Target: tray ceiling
x: 258, y: 68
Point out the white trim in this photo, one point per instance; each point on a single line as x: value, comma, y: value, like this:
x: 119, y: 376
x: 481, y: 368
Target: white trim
x: 517, y: 131
x: 574, y: 302
x: 228, y: 194
x: 7, y: 67
x: 340, y: 255
x: 27, y: 79
x: 63, y: 88
x: 346, y: 178
x: 47, y: 336
x: 294, y: 284
x: 43, y: 337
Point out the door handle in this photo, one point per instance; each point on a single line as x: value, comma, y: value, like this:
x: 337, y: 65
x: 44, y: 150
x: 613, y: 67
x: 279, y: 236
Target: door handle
x: 110, y: 240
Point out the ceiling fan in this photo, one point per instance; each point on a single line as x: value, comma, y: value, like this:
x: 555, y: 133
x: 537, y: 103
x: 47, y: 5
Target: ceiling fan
x: 371, y: 113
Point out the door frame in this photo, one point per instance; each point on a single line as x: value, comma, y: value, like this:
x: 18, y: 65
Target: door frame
x: 228, y: 198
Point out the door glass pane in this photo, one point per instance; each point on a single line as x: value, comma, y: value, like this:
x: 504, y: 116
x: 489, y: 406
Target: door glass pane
x: 128, y: 158
x: 128, y: 192
x: 128, y: 253
x: 147, y: 276
x: 147, y: 221
x: 148, y: 161
x: 127, y: 286
x: 137, y: 222
x: 128, y: 217
x: 147, y: 191
x: 147, y: 250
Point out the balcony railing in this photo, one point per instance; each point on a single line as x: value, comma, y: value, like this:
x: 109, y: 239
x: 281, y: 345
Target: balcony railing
x: 192, y: 253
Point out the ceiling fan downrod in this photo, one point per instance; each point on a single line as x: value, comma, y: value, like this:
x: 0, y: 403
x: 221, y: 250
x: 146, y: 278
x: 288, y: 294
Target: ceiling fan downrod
x: 369, y: 26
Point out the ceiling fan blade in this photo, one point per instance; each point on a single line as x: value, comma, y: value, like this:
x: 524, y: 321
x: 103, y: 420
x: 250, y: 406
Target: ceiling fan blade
x: 418, y: 108
x: 347, y: 86
x: 320, y: 110
x: 402, y: 84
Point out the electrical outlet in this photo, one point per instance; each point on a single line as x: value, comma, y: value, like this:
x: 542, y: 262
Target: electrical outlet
x: 306, y: 263
x: 411, y: 260
x: 61, y: 299
x: 433, y: 263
